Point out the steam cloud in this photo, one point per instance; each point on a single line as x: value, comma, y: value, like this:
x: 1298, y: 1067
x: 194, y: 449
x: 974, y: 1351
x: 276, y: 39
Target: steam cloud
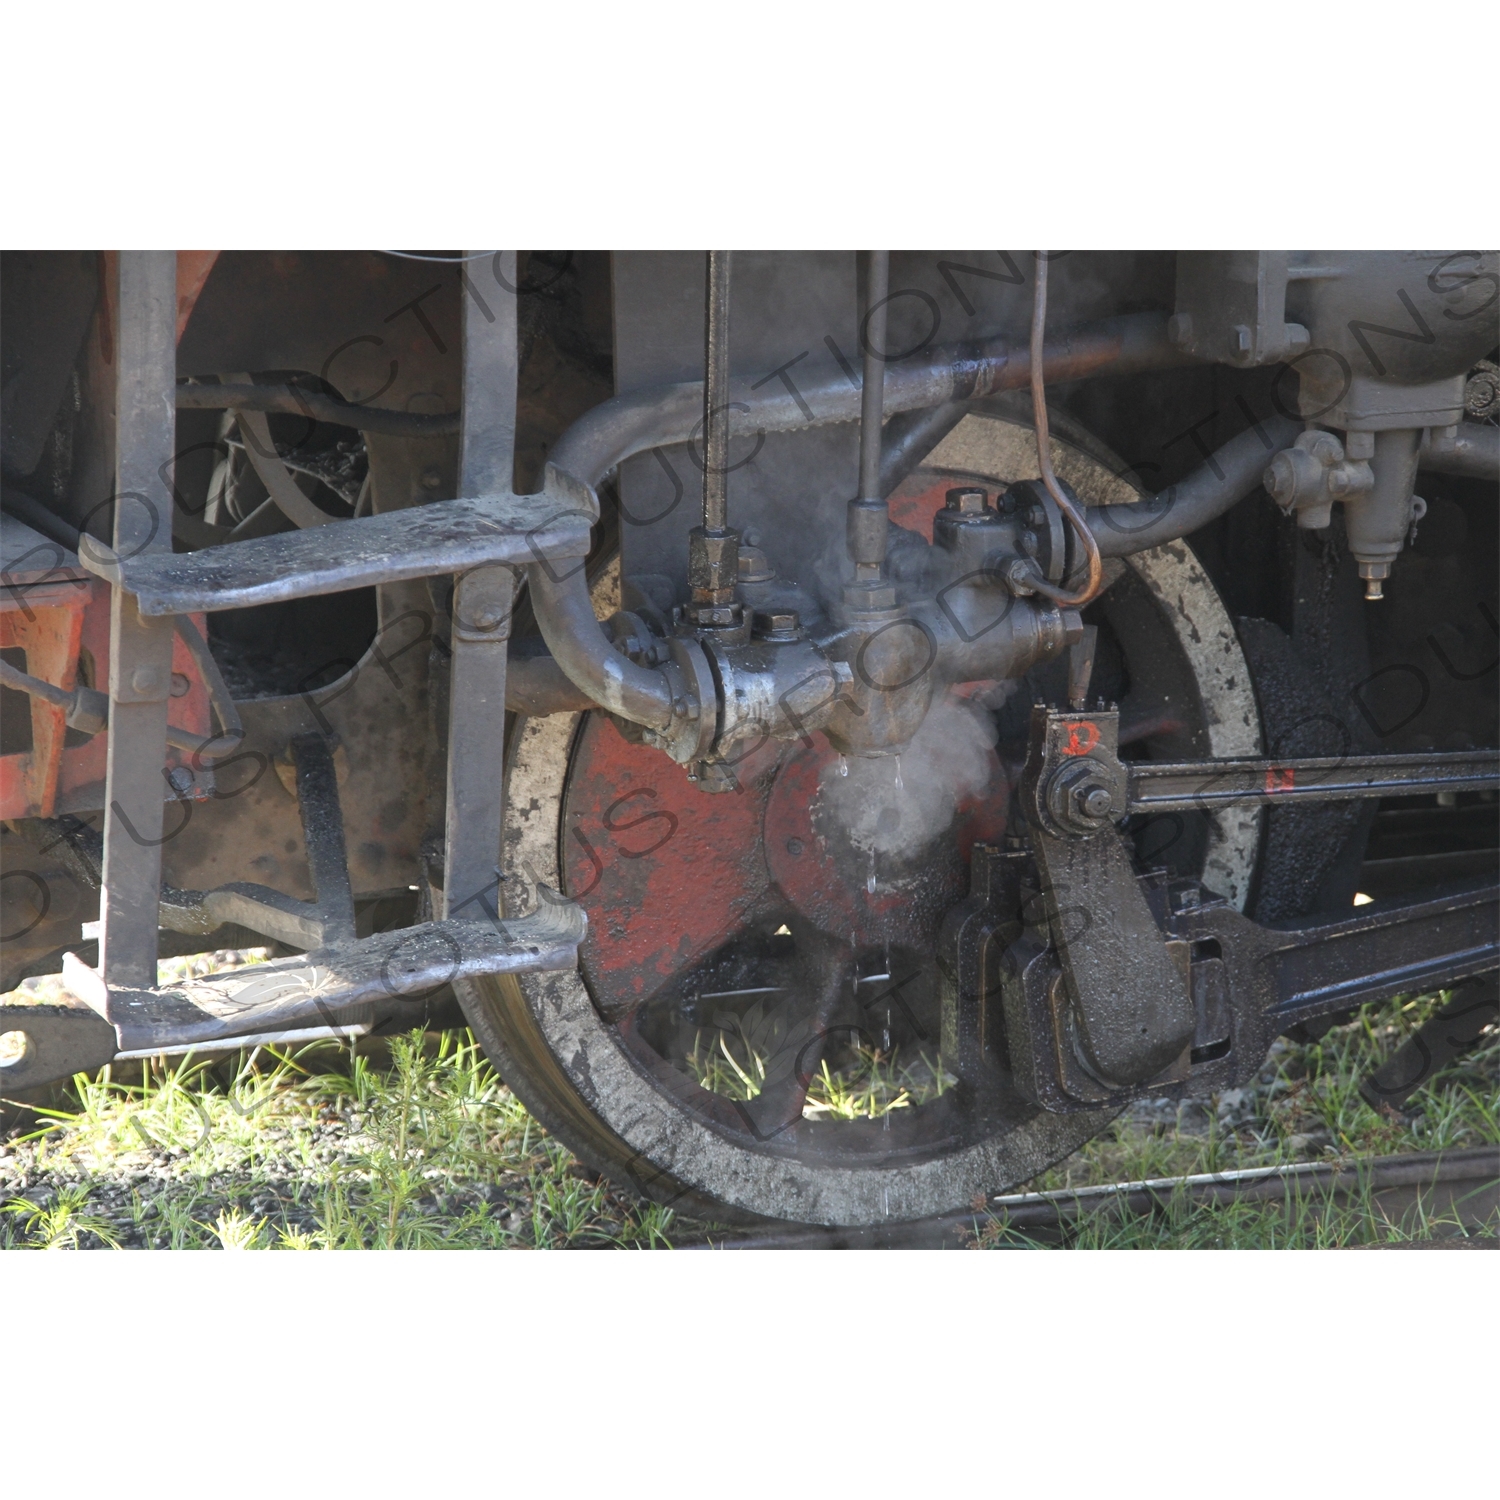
x: 897, y: 804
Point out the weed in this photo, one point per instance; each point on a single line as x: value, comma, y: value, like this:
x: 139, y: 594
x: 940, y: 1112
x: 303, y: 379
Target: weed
x: 237, y: 1231
x: 62, y: 1224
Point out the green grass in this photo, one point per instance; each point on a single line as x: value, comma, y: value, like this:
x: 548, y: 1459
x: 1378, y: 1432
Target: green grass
x: 1303, y: 1106
x: 870, y: 1085
x: 314, y: 1149
x: 416, y: 1143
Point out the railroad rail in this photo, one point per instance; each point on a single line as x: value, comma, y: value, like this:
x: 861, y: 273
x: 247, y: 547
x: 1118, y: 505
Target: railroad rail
x: 1469, y: 1179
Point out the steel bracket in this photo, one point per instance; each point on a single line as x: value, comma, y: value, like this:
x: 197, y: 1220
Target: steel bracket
x: 344, y: 978
x: 1095, y: 951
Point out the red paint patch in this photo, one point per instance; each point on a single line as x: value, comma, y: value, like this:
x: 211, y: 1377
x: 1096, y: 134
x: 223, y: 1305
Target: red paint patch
x: 918, y: 500
x: 1280, y: 778
x: 665, y: 872
x: 1083, y: 735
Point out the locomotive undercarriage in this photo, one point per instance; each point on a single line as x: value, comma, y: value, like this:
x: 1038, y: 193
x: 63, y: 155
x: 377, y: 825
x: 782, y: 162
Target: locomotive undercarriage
x: 846, y: 738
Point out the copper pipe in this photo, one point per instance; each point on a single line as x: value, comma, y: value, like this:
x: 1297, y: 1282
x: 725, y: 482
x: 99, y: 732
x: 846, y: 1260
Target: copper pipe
x: 1044, y: 454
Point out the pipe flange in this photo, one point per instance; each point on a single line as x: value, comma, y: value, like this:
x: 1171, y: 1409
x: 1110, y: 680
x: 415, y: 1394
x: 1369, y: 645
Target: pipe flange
x: 695, y: 704
x: 1044, y: 533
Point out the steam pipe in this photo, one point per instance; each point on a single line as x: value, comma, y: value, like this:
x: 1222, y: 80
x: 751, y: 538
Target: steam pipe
x: 535, y: 684
x: 316, y: 407
x: 586, y: 656
x: 663, y: 415
x: 1217, y: 486
x: 911, y: 435
x: 1473, y: 452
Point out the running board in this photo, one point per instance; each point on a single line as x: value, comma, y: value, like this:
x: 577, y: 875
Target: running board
x: 317, y: 988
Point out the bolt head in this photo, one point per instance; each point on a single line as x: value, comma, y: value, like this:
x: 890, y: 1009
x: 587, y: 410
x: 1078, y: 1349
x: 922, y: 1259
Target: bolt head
x: 1241, y: 339
x: 969, y: 500
x: 1180, y: 328
x: 777, y: 624
x: 1096, y: 801
x: 874, y: 595
x: 146, y: 680
x: 753, y: 565
x: 716, y: 616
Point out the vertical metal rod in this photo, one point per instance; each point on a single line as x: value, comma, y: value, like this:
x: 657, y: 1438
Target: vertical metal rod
x: 140, y: 655
x: 872, y: 397
x: 869, y: 516
x: 482, y: 600
x: 716, y: 396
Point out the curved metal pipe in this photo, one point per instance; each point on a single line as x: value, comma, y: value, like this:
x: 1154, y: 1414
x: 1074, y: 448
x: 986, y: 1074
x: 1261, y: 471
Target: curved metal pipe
x: 297, y: 402
x: 662, y: 415
x: 1472, y: 453
x: 1220, y: 484
x: 586, y: 655
x: 535, y: 684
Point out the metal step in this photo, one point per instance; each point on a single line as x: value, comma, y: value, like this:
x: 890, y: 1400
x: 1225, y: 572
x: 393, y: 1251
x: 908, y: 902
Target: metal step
x: 318, y: 987
x: 451, y: 536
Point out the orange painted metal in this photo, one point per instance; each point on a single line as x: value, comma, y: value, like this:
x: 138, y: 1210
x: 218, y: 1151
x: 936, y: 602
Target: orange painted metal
x: 59, y: 617
x: 193, y: 267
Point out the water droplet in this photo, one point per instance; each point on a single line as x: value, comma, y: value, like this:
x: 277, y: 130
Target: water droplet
x: 870, y: 879
x: 843, y: 765
x: 899, y: 783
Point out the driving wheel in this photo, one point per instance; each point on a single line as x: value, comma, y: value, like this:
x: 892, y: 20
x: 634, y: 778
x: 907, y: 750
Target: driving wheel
x: 754, y: 1029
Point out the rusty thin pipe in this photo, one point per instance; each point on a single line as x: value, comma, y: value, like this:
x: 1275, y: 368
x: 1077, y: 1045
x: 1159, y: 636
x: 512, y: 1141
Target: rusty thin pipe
x: 1074, y: 517
x: 716, y: 396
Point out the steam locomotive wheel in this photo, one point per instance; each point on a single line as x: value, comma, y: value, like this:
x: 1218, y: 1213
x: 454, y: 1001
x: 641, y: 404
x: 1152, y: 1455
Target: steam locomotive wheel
x: 754, y: 1028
